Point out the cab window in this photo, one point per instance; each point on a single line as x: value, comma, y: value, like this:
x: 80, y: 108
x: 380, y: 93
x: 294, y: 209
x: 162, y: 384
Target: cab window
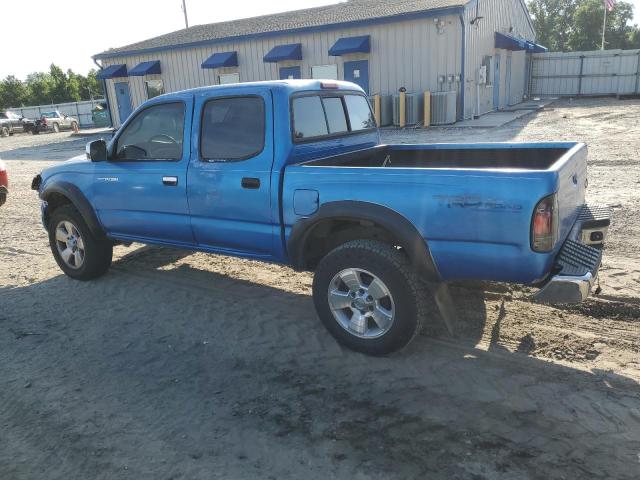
x: 156, y: 133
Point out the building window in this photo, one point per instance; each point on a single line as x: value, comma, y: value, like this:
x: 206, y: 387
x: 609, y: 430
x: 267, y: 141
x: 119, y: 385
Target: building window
x: 328, y: 72
x: 226, y: 78
x: 154, y: 88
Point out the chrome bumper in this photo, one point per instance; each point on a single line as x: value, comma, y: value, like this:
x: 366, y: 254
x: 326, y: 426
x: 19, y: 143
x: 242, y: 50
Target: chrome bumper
x: 566, y: 289
x: 579, y: 259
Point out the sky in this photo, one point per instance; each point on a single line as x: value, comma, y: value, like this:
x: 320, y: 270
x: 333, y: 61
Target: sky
x: 69, y: 32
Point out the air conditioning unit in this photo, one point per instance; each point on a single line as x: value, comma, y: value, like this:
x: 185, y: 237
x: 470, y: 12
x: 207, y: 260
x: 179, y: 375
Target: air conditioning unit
x: 443, y: 107
x: 413, y: 109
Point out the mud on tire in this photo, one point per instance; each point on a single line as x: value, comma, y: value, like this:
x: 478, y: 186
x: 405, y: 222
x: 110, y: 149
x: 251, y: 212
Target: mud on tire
x: 97, y: 252
x: 408, y: 294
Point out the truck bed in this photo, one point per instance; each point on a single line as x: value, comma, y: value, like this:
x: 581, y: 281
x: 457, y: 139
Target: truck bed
x: 472, y: 204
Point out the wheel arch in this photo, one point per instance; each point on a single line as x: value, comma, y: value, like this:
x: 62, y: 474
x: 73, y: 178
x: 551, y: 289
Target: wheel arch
x: 358, y: 218
x: 61, y: 193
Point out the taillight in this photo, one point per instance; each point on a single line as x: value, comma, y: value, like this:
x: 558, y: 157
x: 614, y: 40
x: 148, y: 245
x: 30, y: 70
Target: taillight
x: 4, y: 178
x: 328, y: 85
x: 544, y: 225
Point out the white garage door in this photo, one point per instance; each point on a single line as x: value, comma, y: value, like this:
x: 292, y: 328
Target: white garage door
x: 226, y: 78
x: 329, y: 72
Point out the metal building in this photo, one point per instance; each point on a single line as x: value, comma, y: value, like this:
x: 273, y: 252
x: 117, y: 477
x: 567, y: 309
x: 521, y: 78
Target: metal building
x: 478, y: 49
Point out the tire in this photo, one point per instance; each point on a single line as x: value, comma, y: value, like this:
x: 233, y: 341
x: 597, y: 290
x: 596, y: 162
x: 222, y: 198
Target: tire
x: 375, y: 262
x: 4, y: 132
x: 35, y: 132
x: 74, y: 127
x: 56, y: 128
x: 95, y: 253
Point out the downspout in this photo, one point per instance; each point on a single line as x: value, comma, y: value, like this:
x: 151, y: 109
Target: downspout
x: 106, y: 94
x: 462, y: 79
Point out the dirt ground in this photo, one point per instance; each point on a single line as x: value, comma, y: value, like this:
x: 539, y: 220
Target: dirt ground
x: 190, y: 366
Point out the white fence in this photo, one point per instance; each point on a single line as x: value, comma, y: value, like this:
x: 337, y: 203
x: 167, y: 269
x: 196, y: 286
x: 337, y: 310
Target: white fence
x: 601, y: 72
x: 79, y: 110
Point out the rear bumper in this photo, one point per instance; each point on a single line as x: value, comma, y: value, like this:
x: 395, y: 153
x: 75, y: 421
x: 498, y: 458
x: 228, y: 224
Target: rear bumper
x: 576, y: 266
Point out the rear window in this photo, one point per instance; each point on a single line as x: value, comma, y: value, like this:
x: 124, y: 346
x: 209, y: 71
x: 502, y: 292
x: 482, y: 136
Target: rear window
x: 317, y: 116
x: 232, y: 128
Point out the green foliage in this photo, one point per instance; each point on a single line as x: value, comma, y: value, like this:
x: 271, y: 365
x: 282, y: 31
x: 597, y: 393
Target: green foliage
x: 54, y: 86
x: 576, y: 25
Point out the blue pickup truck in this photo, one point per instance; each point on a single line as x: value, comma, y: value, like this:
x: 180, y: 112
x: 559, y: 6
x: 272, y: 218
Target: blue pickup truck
x: 294, y: 172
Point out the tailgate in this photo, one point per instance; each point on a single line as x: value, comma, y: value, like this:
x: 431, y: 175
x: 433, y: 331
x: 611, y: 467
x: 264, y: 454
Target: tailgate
x: 571, y: 171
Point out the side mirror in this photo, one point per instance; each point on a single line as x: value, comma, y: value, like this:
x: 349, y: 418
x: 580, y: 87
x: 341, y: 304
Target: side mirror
x: 96, y: 151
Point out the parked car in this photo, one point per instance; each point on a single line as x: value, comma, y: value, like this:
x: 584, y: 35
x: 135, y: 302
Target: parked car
x: 294, y: 172
x: 4, y: 183
x: 11, y: 123
x: 55, y: 121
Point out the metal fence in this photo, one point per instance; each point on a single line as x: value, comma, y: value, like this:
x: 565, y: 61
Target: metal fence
x: 79, y: 110
x: 601, y: 72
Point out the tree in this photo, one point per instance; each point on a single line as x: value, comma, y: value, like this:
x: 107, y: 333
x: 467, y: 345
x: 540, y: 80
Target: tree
x: 574, y: 25
x: 13, y: 92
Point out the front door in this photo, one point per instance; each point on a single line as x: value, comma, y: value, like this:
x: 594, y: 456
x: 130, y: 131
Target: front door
x: 141, y: 192
x: 229, y: 178
x: 289, y: 73
x: 124, y: 100
x: 496, y: 82
x: 358, y: 73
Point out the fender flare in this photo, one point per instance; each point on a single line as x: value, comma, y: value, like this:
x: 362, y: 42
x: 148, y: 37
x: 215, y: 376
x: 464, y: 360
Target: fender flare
x: 77, y: 198
x: 399, y: 226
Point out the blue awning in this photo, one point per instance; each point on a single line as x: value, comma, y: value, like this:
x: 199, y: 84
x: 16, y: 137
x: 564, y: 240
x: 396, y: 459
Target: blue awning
x: 112, y: 71
x: 535, y: 48
x: 509, y: 43
x: 279, y: 53
x: 145, y: 68
x: 351, y: 45
x: 221, y: 59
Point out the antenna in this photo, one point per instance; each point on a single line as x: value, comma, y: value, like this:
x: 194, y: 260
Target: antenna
x: 184, y: 9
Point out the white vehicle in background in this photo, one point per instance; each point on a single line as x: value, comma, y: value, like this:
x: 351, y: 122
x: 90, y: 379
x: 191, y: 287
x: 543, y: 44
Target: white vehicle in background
x: 54, y: 121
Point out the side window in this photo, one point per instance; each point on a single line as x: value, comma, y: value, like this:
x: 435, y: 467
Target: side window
x: 335, y: 115
x: 156, y: 133
x: 360, y: 114
x: 308, y: 117
x: 232, y: 128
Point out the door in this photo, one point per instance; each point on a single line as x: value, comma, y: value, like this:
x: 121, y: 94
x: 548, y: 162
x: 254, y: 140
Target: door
x: 507, y: 83
x: 496, y: 82
x: 141, y: 192
x: 124, y: 100
x: 289, y: 73
x: 229, y: 176
x: 358, y: 73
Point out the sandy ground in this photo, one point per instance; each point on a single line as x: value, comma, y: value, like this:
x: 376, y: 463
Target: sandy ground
x: 192, y: 366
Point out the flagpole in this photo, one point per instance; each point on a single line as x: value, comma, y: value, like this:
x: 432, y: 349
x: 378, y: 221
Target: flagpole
x: 604, y: 25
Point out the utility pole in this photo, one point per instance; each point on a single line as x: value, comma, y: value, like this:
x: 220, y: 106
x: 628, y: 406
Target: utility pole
x: 604, y: 25
x: 184, y: 9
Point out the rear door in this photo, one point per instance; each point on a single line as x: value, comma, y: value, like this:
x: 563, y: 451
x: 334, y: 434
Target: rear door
x: 141, y: 192
x: 229, y: 176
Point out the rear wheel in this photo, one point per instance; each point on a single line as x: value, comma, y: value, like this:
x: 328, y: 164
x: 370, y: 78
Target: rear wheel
x: 74, y: 127
x: 4, y: 132
x: 369, y: 297
x: 77, y: 251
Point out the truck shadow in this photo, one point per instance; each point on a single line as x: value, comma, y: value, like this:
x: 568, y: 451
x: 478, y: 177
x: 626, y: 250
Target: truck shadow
x: 175, y: 370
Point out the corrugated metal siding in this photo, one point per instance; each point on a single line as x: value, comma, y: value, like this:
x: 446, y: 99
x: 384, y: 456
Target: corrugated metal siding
x: 498, y: 16
x: 411, y: 54
x: 609, y: 72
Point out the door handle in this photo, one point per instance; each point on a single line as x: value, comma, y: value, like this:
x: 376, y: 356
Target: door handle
x: 250, y: 183
x: 170, y: 181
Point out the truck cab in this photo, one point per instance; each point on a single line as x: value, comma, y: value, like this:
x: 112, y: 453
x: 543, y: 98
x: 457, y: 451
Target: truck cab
x: 293, y: 172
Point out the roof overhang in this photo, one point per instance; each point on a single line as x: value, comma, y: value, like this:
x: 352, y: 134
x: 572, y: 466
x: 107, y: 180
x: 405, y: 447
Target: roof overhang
x: 279, y: 53
x: 221, y: 59
x: 146, y: 68
x: 112, y: 71
x: 502, y: 40
x: 346, y: 45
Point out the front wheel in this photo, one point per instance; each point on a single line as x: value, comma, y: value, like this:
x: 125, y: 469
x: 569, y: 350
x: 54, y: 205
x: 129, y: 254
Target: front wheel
x: 56, y: 128
x: 74, y: 127
x: 4, y: 132
x: 369, y: 297
x: 77, y: 251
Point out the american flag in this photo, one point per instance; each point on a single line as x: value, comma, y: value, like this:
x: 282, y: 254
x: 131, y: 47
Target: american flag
x: 609, y: 4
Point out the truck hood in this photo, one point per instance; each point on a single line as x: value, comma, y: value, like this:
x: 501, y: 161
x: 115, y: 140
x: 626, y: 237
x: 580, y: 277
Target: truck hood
x: 77, y: 164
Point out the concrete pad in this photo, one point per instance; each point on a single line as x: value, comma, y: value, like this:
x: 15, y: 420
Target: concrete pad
x: 502, y: 117
x: 86, y: 132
